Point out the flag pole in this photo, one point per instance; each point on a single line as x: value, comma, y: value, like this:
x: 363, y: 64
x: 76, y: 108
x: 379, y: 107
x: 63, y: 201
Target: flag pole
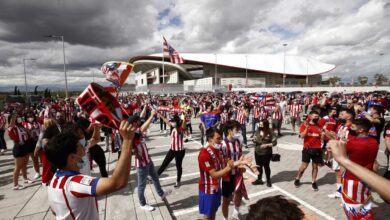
x: 163, y: 73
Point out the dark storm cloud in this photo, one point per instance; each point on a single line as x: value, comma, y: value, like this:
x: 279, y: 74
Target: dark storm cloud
x: 88, y: 22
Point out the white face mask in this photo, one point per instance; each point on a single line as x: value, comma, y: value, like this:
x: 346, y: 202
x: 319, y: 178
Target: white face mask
x: 217, y: 146
x: 19, y: 120
x: 237, y: 136
x: 30, y: 119
x: 81, y: 163
x: 82, y: 142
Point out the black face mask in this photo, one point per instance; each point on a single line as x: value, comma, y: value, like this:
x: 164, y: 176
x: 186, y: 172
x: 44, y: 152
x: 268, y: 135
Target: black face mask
x: 137, y: 136
x: 353, y: 132
x: 315, y: 120
x: 61, y: 120
x: 342, y: 121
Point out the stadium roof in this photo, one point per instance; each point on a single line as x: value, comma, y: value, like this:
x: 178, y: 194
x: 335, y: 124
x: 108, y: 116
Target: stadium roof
x: 295, y: 65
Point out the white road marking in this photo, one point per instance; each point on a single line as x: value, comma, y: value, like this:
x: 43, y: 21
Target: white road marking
x: 184, y: 175
x: 262, y: 192
x: 187, y: 155
x: 196, y: 208
x: 290, y: 146
x: 317, y: 211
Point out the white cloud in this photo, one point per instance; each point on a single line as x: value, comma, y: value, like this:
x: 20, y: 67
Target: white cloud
x: 349, y: 34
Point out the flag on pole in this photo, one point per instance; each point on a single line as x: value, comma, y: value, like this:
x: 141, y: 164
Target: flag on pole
x: 116, y: 71
x: 172, y: 53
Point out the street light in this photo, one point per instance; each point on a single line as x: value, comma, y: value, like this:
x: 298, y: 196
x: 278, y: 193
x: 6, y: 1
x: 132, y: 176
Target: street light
x: 63, y: 51
x: 284, y: 64
x: 215, y: 75
x: 307, y: 72
x: 25, y: 76
x: 246, y: 70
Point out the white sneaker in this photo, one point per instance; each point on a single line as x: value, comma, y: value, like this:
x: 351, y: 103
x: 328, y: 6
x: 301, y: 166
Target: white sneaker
x: 166, y: 193
x: 166, y: 132
x: 28, y: 181
x: 335, y: 195
x: 37, y: 176
x: 235, y: 215
x: 147, y: 207
x: 161, y: 131
x: 18, y: 187
x: 189, y: 137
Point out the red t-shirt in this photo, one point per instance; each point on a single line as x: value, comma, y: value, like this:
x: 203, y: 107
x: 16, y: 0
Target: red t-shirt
x: 312, y: 138
x: 363, y: 151
x: 330, y: 124
x: 209, y: 158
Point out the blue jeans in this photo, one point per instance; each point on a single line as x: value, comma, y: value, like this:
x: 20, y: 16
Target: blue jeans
x: 254, y: 121
x: 143, y: 173
x: 243, y: 132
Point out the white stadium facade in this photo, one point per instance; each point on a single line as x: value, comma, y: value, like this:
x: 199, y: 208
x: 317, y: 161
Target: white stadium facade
x: 211, y: 72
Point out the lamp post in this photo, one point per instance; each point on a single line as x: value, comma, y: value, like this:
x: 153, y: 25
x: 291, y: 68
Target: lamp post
x: 246, y: 70
x: 63, y: 51
x: 216, y: 72
x: 307, y: 72
x: 284, y: 64
x: 25, y: 76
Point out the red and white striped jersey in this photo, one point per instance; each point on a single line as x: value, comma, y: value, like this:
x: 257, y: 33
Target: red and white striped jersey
x: 177, y: 143
x: 18, y: 134
x: 355, y: 191
x: 141, y: 154
x: 69, y: 112
x: 306, y: 101
x: 224, y: 117
x: 343, y: 132
x: 34, y: 129
x: 188, y: 116
x: 233, y: 151
x: 277, y: 113
x: 256, y: 111
x: 241, y: 115
x: 363, y: 151
x: 210, y: 158
x: 295, y: 109
x: 72, y: 195
x: 3, y: 121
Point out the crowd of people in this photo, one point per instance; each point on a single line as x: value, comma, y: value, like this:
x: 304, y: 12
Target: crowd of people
x: 342, y: 131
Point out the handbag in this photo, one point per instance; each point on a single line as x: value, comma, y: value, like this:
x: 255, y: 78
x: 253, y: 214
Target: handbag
x: 276, y: 156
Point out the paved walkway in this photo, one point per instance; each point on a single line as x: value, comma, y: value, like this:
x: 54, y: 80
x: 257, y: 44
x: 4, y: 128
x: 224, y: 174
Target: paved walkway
x: 31, y: 203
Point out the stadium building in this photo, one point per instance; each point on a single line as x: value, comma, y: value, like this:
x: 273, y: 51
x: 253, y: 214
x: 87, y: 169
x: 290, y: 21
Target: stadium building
x: 210, y: 72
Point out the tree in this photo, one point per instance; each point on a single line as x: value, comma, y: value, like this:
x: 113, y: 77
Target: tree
x: 333, y: 80
x: 36, y: 90
x: 363, y: 80
x: 380, y: 78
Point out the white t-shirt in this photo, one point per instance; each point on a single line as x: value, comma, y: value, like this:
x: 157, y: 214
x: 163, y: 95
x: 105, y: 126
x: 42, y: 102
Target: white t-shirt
x: 73, y: 196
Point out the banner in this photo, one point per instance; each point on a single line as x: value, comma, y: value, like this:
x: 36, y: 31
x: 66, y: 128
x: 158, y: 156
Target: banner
x: 101, y: 106
x: 116, y: 71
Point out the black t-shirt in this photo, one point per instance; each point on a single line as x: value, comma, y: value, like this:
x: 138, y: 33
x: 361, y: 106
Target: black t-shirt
x: 54, y: 130
x: 379, y: 128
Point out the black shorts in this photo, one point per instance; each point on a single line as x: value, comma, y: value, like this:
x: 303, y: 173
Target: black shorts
x: 31, y: 144
x: 295, y: 120
x: 20, y: 150
x: 228, y: 187
x: 313, y: 154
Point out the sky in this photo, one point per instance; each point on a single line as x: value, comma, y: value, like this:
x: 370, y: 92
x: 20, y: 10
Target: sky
x: 350, y: 34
